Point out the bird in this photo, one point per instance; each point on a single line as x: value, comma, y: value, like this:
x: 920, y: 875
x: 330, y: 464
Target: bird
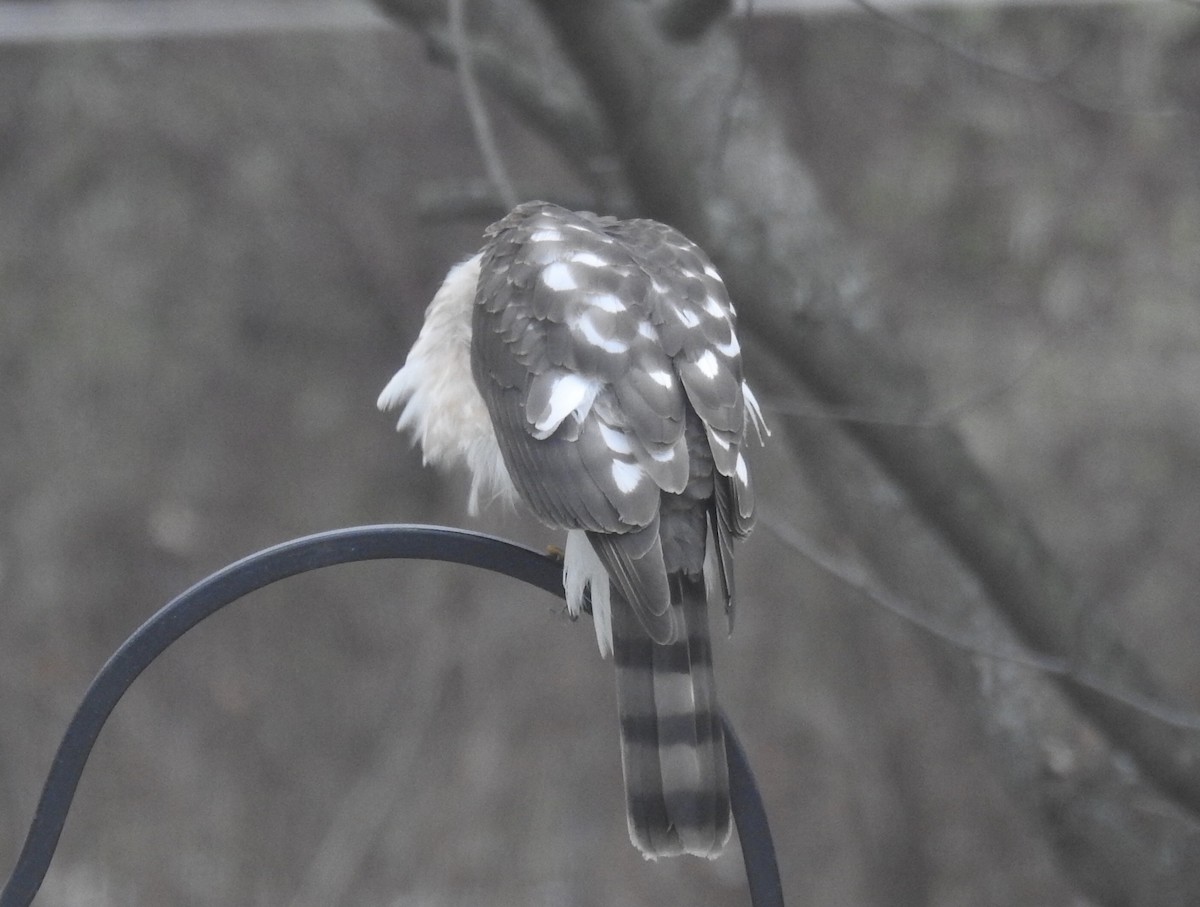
x: 589, y: 368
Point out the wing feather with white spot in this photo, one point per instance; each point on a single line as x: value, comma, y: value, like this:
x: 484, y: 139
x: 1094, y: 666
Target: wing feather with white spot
x: 696, y: 321
x: 588, y: 408
x: 591, y: 339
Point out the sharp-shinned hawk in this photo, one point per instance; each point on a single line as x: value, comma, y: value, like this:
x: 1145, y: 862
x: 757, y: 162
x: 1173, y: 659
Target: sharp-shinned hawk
x: 590, y: 367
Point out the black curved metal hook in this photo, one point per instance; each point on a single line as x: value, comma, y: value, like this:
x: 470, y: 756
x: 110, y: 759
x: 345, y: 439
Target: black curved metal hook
x: 338, y: 546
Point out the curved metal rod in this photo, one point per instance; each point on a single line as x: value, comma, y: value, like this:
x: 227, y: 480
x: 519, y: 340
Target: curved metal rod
x: 338, y: 546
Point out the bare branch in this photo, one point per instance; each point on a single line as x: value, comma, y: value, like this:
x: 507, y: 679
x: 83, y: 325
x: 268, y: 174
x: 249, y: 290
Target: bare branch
x: 761, y: 217
x: 932, y: 417
x: 1122, y: 842
x: 481, y: 123
x: 857, y: 575
x: 686, y: 20
x: 757, y: 211
x: 519, y: 59
x: 1047, y: 81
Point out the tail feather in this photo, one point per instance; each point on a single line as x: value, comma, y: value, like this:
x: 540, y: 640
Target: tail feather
x: 672, y: 743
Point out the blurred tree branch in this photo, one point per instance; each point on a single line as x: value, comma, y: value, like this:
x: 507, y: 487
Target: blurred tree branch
x: 485, y: 138
x: 535, y: 80
x: 702, y: 151
x: 1121, y: 841
x: 687, y: 20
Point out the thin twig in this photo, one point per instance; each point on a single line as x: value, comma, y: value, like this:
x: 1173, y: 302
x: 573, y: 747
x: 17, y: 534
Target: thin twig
x: 1046, y: 81
x: 856, y: 575
x: 726, y: 124
x: 481, y: 124
x: 519, y: 63
x: 688, y: 20
x: 932, y: 418
x: 356, y: 824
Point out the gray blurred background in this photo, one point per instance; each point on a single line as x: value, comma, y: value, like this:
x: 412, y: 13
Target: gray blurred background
x: 212, y: 257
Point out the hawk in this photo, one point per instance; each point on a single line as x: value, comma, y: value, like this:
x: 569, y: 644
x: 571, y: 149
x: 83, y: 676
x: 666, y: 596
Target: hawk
x: 590, y: 367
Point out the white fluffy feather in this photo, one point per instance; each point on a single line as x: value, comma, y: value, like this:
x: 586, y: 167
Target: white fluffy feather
x: 441, y: 405
x: 582, y: 568
x: 443, y: 409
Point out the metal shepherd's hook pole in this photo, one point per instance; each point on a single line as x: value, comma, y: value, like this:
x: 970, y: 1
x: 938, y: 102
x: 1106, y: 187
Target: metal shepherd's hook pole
x: 339, y: 546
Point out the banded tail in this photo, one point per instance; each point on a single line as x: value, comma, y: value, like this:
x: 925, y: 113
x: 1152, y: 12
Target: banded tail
x: 672, y: 742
